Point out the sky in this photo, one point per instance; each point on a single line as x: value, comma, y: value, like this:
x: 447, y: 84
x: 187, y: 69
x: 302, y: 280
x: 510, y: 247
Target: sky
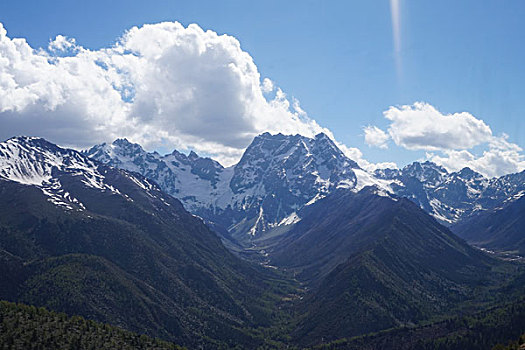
x: 390, y: 81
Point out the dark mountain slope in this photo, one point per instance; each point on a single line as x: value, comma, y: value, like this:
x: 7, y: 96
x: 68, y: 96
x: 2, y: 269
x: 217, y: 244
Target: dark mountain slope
x: 346, y: 223
x: 111, y: 246
x: 480, y: 331
x: 28, y: 327
x: 375, y: 262
x: 502, y: 229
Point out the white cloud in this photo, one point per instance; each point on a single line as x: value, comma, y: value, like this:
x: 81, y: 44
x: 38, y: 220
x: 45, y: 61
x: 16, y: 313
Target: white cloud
x: 356, y: 155
x: 267, y: 86
x: 422, y: 127
x: 376, y: 137
x: 164, y: 85
x: 450, y: 138
x: 501, y: 157
x: 63, y: 44
x: 161, y: 84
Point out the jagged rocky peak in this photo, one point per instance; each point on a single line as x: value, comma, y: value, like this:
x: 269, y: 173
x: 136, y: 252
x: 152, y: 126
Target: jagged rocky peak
x: 131, y: 156
x: 469, y: 174
x: 387, y: 173
x: 124, y: 142
x: 127, y: 147
x: 190, y: 178
x: 292, y: 161
x: 327, y: 145
x: 193, y: 156
x: 194, y: 160
x: 428, y: 172
x: 289, y: 147
x: 60, y: 173
x: 124, y: 154
x: 417, y: 168
x: 122, y: 146
x: 32, y: 160
x: 31, y: 141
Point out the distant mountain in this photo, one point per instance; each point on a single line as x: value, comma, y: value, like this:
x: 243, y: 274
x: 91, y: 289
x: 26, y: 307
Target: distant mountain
x: 89, y: 237
x: 80, y: 237
x: 280, y: 174
x: 452, y: 197
x: 276, y: 176
x: 373, y: 261
x: 192, y: 179
x: 501, y: 229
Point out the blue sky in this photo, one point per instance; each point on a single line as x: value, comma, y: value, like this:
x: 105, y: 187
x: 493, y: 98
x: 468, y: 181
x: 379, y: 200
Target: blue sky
x: 338, y: 59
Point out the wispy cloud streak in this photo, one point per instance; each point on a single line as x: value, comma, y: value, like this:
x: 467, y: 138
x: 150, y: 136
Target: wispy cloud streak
x: 396, y: 33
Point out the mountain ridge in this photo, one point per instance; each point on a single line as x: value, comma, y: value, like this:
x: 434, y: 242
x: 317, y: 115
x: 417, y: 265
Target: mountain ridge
x: 82, y: 237
x: 298, y: 170
x: 276, y: 175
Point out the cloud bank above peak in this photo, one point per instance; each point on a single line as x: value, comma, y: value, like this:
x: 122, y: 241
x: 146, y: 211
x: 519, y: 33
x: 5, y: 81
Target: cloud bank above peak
x: 448, y: 139
x: 168, y: 86
x: 162, y: 85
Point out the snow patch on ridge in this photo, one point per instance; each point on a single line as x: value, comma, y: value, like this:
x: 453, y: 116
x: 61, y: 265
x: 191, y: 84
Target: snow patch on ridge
x: 35, y: 162
x: 365, y: 179
x: 291, y: 219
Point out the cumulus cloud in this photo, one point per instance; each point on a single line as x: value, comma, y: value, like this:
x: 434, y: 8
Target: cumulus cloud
x: 170, y: 86
x: 64, y: 45
x: 161, y: 84
x: 449, y: 139
x: 376, y: 137
x: 501, y: 157
x: 422, y: 127
x: 267, y: 85
x: 356, y: 155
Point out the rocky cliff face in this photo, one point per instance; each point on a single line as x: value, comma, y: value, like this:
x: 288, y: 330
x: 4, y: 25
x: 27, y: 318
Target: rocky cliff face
x: 280, y: 174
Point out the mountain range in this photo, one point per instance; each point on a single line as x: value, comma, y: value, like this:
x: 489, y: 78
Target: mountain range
x: 80, y: 237
x: 500, y: 229
x: 375, y: 261
x: 294, y: 246
x: 280, y: 174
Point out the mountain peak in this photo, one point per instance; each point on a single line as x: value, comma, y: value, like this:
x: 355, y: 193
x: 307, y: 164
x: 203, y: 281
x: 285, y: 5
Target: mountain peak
x: 31, y: 140
x: 467, y: 173
x: 38, y: 162
x: 121, y: 141
x: 321, y: 135
x: 125, y: 143
x: 425, y: 172
x: 193, y: 156
x: 24, y: 138
x: 324, y: 139
x: 425, y: 165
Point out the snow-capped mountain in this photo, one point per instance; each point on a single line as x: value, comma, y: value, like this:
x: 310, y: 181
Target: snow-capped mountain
x: 279, y: 174
x: 451, y: 197
x: 192, y: 179
x: 90, y: 239
x: 61, y: 174
x: 276, y: 176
